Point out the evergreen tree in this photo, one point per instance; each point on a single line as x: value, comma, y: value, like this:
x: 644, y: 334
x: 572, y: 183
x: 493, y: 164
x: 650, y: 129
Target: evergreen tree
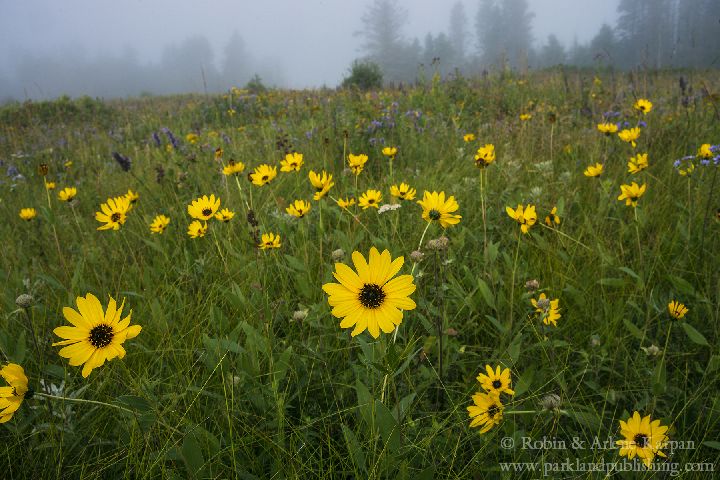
x: 553, y: 53
x: 383, y: 22
x: 458, y: 33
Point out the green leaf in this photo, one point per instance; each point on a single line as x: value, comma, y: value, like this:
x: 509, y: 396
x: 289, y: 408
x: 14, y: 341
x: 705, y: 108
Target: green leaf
x: 634, y: 331
x: 388, y: 426
x: 712, y: 444
x: 612, y: 282
x: 694, y: 335
x: 136, y: 403
x: 192, y: 454
x: 400, y: 409
x: 682, y: 285
x: 295, y: 263
x: 486, y: 293
x: 354, y: 448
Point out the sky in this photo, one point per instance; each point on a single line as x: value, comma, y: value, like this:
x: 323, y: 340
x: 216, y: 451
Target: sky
x: 313, y: 41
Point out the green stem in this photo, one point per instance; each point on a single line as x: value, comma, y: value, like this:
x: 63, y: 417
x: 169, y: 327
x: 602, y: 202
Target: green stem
x: 82, y: 400
x: 512, y: 283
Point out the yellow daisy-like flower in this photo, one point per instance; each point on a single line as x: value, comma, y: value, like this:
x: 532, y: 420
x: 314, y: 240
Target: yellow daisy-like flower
x: 95, y: 336
x: 371, y: 198
x: 677, y: 310
x: 27, y: 213
x: 643, y: 105
x: 192, y: 138
x: 370, y: 299
x: 594, y: 170
x: 263, y: 175
x: 390, y: 152
x: 630, y: 135
x: 12, y: 396
x: 159, y: 224
x: 687, y: 171
x: 298, y: 208
x: 525, y: 216
x: 197, y: 229
x: 345, y: 202
x: 49, y: 185
x: 497, y: 381
x: 644, y: 438
x: 524, y: 117
x: 638, y: 163
x: 485, y: 156
x: 225, y: 215
x: 549, y: 310
x: 487, y: 411
x: 219, y: 152
x: 233, y: 168
x: 469, y: 137
x: 132, y: 197
x: 292, y: 162
x: 631, y: 193
x: 403, y: 191
x: 113, y: 213
x: 705, y: 151
x: 322, y: 182
x: 204, y: 208
x: 269, y: 240
x: 437, y: 209
x: 357, y: 162
x: 67, y: 194
x: 552, y: 218
x: 607, y: 128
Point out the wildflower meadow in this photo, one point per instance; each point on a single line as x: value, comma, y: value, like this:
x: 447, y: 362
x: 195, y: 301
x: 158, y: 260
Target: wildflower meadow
x: 496, y: 277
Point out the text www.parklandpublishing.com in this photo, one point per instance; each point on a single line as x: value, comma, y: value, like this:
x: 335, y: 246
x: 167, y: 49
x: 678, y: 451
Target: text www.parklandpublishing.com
x: 576, y: 465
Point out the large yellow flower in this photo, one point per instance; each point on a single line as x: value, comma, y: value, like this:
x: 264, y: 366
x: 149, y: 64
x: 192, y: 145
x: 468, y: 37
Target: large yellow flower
x: 630, y: 135
x: 269, y: 240
x: 705, y: 151
x: 12, y: 396
x: 403, y: 191
x: 631, y: 193
x: 594, y: 170
x: 370, y: 198
x: 204, y: 208
x: 485, y: 156
x: 113, y: 213
x: 27, y: 213
x: 370, y: 299
x: 95, y: 336
x: 487, y: 411
x: 638, y: 163
x: 357, y: 162
x: 292, y: 163
x: 67, y: 194
x: 526, y: 217
x: 643, y: 438
x: 298, y: 208
x: 159, y: 224
x: 496, y: 381
x: 263, y: 175
x: 643, y: 105
x: 322, y: 182
x: 437, y: 209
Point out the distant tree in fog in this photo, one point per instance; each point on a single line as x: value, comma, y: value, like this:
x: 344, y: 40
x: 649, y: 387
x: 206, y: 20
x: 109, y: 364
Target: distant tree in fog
x: 237, y: 64
x: 383, y: 43
x: 504, y: 32
x: 552, y: 53
x: 458, y: 33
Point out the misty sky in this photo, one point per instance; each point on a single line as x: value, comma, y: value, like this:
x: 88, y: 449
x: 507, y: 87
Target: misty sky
x: 312, y: 40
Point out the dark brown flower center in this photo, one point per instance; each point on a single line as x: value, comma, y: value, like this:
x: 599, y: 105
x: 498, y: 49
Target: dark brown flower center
x: 264, y: 178
x: 115, y: 217
x: 497, y: 384
x: 101, y: 336
x: 492, y: 411
x: 206, y: 212
x: 641, y: 440
x: 371, y: 295
x: 434, y: 214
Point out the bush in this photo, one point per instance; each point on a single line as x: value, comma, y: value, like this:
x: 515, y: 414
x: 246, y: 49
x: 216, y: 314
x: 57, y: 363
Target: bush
x: 364, y: 75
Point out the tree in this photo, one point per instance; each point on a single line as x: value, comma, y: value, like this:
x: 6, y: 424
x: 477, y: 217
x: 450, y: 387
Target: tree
x: 504, y: 32
x: 488, y: 28
x: 458, y: 33
x: 383, y: 22
x: 552, y: 53
x: 236, y: 63
x: 604, y: 44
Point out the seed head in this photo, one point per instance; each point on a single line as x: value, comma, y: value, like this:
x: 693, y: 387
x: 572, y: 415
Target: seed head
x: 24, y: 301
x: 338, y: 255
x: 551, y: 402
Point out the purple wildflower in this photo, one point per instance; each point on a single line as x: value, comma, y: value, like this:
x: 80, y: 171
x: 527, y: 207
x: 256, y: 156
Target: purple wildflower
x: 123, y: 161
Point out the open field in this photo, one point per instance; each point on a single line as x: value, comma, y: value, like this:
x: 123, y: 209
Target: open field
x: 241, y: 370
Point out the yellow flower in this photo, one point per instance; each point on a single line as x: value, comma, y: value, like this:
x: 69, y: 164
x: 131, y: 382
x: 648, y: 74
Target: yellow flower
x: 43, y: 169
x: 638, y: 163
x: 371, y: 198
x: 631, y: 193
x: 192, y: 138
x: 704, y: 151
x: 231, y: 111
x: 403, y: 191
x: 67, y: 194
x: 390, y: 152
x: 219, y: 153
x: 630, y: 135
x: 552, y: 218
x: 485, y: 156
x: 357, y: 162
x: 371, y: 298
x: 49, y: 185
x: 643, y: 105
x: 687, y: 171
x: 437, y: 209
x: 132, y: 197
x: 486, y: 412
x: 12, y: 396
x: 159, y: 224
x: 496, y: 382
x: 233, y: 167
x: 525, y: 117
x: 292, y: 162
x: 269, y: 240
x: 322, y: 182
x: 526, y: 217
x: 263, y: 175
x: 469, y: 137
x: 113, y: 213
x: 677, y: 310
x: 225, y: 215
x: 197, y: 229
x: 594, y: 170
x: 28, y: 213
x: 345, y: 202
x: 643, y: 438
x: 549, y: 310
x: 204, y: 208
x: 298, y: 208
x: 95, y: 336
x: 68, y: 164
x: 607, y: 128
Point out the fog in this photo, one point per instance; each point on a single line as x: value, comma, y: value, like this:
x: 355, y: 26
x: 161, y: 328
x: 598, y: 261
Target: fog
x: 109, y: 48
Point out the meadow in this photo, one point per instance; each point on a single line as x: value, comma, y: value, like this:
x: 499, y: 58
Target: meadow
x: 551, y: 313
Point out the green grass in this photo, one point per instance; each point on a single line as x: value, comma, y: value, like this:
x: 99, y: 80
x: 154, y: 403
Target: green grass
x: 222, y: 382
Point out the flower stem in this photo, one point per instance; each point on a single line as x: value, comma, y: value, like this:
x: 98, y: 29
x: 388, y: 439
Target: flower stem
x: 82, y: 400
x: 512, y: 283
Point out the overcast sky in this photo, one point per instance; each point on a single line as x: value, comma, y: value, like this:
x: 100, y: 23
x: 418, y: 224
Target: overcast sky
x: 312, y: 39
